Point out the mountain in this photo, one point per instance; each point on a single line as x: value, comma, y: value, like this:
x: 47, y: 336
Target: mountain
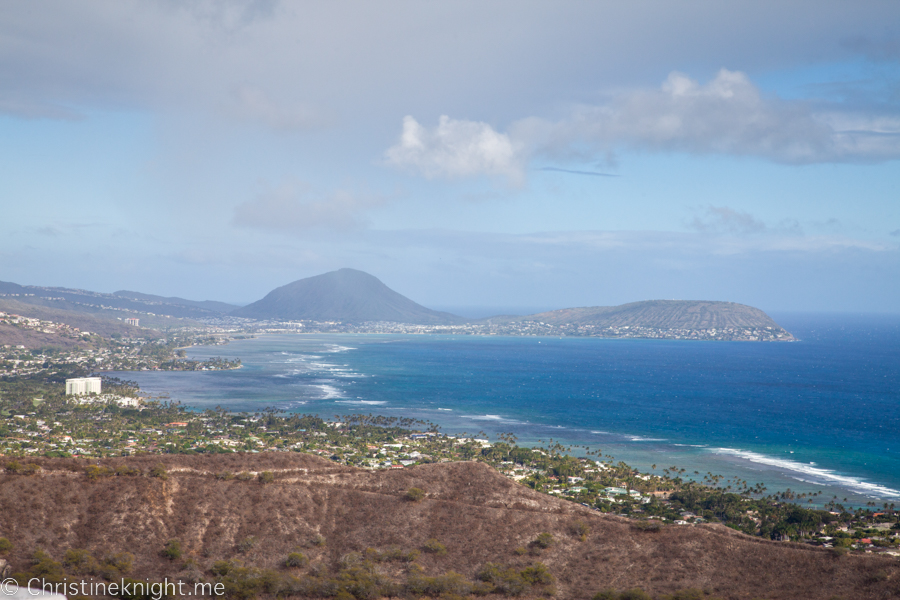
x: 81, y: 320
x: 658, y: 314
x: 150, y: 309
x: 210, y: 305
x: 346, y: 295
x: 331, y: 515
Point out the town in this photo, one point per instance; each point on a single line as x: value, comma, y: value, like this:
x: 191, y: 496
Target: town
x: 515, y: 328
x: 105, y: 417
x: 90, y: 352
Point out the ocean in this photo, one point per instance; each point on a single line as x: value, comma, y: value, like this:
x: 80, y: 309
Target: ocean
x: 819, y: 414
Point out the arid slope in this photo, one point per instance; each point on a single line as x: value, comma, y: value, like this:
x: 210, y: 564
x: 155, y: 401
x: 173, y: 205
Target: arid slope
x: 478, y: 514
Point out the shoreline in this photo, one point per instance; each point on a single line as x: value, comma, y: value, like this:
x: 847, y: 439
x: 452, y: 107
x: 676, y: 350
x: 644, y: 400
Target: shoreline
x: 637, y: 446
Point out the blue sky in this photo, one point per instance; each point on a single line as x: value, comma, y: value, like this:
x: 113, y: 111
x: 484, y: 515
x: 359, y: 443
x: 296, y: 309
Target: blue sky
x: 471, y: 155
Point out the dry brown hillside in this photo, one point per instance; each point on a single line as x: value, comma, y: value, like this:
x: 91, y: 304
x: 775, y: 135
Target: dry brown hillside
x: 479, y: 516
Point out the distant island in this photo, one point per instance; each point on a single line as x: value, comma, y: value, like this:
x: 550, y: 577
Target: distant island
x: 352, y: 301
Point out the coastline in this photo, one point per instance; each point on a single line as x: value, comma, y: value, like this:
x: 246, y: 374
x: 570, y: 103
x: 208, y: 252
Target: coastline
x: 332, y: 382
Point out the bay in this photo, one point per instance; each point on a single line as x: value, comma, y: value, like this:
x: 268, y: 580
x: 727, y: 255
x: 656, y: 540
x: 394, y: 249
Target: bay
x: 820, y: 414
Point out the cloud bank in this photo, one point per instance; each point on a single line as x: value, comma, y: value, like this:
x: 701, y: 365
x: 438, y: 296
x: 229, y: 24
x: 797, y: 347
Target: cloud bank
x: 728, y: 115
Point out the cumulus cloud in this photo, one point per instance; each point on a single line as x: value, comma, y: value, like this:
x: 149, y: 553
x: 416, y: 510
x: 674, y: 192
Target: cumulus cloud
x: 457, y: 148
x: 728, y: 116
x: 288, y: 210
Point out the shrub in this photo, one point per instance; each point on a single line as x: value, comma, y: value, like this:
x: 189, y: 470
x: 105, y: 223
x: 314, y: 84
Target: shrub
x: 296, y: 560
x: 579, y: 529
x: 362, y: 582
x: 172, y: 550
x: 244, y: 476
x: 117, y: 563
x: 450, y: 583
x: 126, y: 471
x: 80, y: 562
x: 648, y: 526
x: 95, y: 472
x: 44, y: 567
x: 543, y: 540
x: 225, y: 476
x: 482, y: 588
x: 432, y: 546
x: 159, y: 471
x: 504, y: 580
x: 266, y: 477
x: 537, y: 574
x: 220, y: 568
x: 5, y: 545
x: 415, y: 494
x: 246, y: 544
x: 30, y: 469
x: 13, y: 467
x: 318, y: 540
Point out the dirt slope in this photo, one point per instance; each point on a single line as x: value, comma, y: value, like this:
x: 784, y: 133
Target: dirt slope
x: 478, y: 514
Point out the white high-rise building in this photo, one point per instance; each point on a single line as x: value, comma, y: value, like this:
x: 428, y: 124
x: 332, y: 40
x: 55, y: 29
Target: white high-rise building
x: 132, y: 321
x: 82, y: 385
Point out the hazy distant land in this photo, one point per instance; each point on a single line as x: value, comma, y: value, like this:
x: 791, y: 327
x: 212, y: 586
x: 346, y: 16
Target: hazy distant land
x: 348, y: 300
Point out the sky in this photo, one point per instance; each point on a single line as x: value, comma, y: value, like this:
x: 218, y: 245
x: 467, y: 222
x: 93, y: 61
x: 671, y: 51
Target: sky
x: 475, y: 156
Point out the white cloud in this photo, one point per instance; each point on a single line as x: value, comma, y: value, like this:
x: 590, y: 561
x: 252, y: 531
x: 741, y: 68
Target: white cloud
x: 457, y: 148
x: 728, y: 115
x: 288, y: 210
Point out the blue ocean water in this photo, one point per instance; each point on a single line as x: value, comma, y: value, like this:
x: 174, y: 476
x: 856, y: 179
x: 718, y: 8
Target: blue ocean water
x: 820, y: 414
